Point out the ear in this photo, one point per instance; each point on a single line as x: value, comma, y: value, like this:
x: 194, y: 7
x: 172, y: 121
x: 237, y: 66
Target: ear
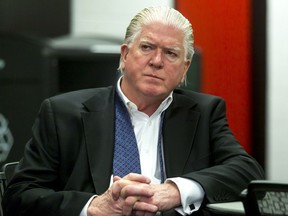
x: 124, y: 52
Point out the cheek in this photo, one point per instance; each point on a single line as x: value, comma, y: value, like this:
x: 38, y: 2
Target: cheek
x: 141, y: 60
x: 135, y: 61
x: 177, y: 72
x: 176, y: 76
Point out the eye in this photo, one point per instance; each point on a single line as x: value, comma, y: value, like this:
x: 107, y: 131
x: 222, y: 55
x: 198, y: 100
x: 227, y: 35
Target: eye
x: 146, y: 47
x: 171, y: 54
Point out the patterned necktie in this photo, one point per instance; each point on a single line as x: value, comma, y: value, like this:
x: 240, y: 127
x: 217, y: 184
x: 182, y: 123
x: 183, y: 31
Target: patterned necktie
x: 126, y: 155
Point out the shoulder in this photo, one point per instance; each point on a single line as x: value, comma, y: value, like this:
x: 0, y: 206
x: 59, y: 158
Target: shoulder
x: 77, y: 99
x: 82, y: 95
x: 206, y: 104
x: 199, y: 99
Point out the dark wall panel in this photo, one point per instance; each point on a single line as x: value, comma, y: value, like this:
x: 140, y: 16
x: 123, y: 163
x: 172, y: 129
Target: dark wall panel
x: 35, y: 69
x: 259, y: 76
x: 47, y: 18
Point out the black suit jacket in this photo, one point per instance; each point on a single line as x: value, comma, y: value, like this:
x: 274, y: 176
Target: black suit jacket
x: 69, y: 157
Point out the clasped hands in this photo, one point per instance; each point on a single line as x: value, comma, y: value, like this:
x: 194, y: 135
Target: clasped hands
x: 134, y: 194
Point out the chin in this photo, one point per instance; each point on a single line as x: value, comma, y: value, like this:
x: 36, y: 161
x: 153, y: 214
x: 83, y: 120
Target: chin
x: 153, y: 90
x: 153, y: 93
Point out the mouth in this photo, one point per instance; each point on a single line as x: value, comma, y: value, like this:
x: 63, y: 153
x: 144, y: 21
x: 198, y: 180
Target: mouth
x: 153, y: 76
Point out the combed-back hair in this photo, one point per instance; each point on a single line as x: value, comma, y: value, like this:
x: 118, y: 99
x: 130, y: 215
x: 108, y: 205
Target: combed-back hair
x: 167, y: 16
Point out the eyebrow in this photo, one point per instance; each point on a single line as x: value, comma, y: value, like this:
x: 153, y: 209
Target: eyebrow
x: 175, y: 48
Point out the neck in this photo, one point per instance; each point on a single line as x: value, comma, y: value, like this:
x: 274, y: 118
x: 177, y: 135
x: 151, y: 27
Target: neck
x: 145, y: 103
x: 147, y: 108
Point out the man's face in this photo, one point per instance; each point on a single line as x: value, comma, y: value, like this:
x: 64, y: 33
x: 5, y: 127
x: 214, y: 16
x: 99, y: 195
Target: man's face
x: 155, y: 63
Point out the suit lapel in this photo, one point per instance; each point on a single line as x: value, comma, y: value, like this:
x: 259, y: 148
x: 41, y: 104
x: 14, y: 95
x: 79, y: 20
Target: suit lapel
x: 180, y: 119
x: 99, y: 135
x: 179, y: 129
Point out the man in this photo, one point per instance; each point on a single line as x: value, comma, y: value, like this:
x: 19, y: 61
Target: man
x: 187, y: 154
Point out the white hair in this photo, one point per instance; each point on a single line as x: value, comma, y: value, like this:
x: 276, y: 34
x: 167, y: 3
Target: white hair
x: 167, y: 16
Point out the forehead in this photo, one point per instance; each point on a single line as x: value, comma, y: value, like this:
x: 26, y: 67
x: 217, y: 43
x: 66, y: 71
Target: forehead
x: 162, y: 35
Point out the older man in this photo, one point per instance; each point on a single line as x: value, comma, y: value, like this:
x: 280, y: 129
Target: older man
x: 139, y: 147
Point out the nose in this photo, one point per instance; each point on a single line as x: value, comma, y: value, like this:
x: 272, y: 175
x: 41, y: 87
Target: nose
x: 156, y: 59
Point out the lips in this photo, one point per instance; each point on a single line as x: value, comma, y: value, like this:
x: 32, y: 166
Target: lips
x: 153, y: 76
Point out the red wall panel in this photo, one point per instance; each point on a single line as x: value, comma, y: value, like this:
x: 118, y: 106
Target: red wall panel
x: 222, y: 32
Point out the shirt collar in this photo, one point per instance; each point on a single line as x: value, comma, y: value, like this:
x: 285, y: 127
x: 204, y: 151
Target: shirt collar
x: 133, y: 107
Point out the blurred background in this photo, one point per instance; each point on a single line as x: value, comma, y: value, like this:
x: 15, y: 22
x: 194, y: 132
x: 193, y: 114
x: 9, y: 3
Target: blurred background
x: 48, y: 47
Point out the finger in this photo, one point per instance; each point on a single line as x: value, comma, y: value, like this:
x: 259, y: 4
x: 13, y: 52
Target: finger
x: 116, y: 178
x: 138, y: 213
x: 130, y: 179
x: 116, y: 190
x: 145, y: 207
x: 143, y: 213
x: 140, y: 190
x: 137, y: 178
x: 128, y: 205
x: 131, y: 204
x: 118, y: 185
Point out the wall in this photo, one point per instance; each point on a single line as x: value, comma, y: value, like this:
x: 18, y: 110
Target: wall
x: 109, y: 17
x: 277, y: 98
x: 222, y: 31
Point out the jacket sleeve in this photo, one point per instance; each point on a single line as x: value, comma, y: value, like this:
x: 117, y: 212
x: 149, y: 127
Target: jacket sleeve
x: 36, y: 187
x: 230, y: 167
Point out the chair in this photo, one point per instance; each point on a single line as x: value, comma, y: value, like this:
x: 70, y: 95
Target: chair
x: 6, y: 174
x: 265, y: 197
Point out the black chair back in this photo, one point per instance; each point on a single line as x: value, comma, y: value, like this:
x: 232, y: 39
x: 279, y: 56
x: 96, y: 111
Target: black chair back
x: 266, y: 198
